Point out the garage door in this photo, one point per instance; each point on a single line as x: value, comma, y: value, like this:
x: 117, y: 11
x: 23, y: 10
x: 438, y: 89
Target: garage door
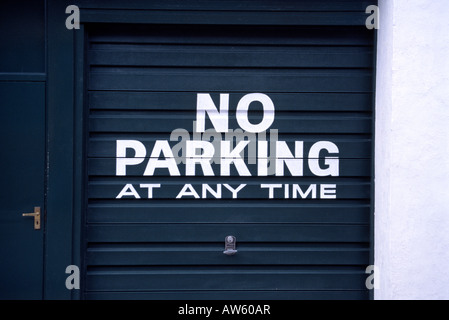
x: 228, y: 162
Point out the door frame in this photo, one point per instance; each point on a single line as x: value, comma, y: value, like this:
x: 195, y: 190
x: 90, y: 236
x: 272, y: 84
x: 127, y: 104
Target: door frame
x: 65, y: 97
x: 59, y: 251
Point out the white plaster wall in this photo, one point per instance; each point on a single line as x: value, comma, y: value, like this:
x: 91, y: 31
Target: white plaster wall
x: 412, y: 150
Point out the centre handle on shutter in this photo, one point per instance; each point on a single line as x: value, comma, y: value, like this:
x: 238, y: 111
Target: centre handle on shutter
x: 230, y: 243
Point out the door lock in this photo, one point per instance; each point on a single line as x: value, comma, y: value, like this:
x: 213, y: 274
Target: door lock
x: 230, y: 246
x: 37, y: 217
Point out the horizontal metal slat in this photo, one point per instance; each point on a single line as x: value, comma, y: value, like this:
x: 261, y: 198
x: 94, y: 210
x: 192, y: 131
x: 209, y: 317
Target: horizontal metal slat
x: 279, y: 18
x: 107, y: 167
x: 265, y: 254
x: 211, y: 279
x: 289, y: 124
x: 236, y: 5
x: 106, y: 145
x: 236, y: 295
x: 156, y: 101
x: 229, y: 57
x: 222, y: 211
x: 217, y: 232
x: 171, y: 189
x: 228, y: 81
x: 231, y: 35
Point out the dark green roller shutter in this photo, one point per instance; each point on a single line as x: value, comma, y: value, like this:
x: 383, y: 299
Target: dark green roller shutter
x: 143, y: 82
